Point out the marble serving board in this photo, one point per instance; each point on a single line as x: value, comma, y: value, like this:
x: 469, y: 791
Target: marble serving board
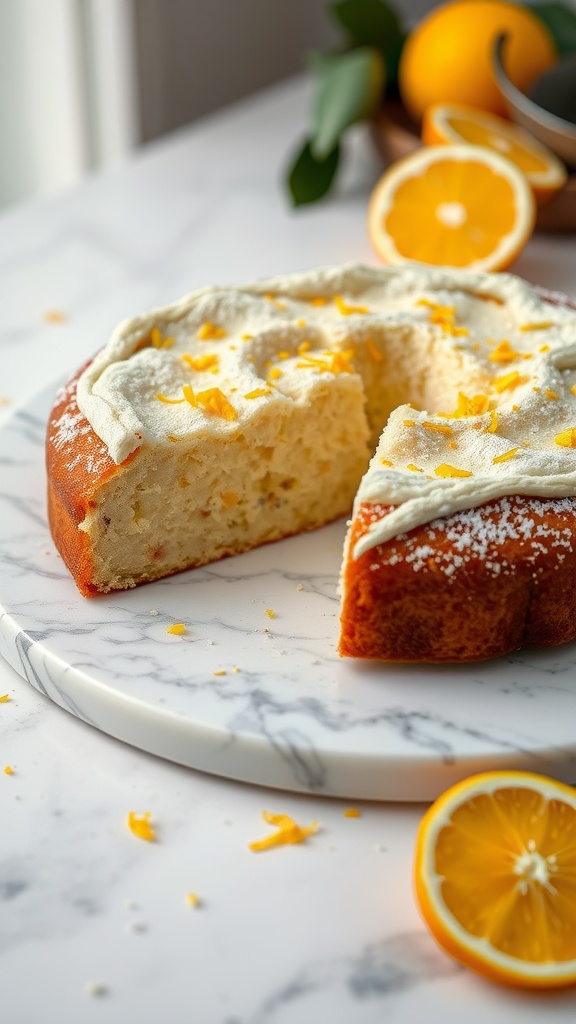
x: 250, y: 697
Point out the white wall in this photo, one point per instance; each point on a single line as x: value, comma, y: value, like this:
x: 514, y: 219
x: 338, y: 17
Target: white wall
x: 195, y: 56
x: 41, y: 99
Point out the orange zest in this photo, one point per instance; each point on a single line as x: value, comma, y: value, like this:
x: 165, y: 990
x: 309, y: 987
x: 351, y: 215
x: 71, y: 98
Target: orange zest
x: 495, y: 877
x: 457, y: 206
x: 287, y: 832
x: 140, y: 826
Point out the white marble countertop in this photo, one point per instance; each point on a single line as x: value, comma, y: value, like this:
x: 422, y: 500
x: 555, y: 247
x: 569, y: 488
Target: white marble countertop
x: 94, y: 923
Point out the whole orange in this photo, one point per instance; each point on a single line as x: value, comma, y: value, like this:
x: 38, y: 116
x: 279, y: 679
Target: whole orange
x: 448, y: 55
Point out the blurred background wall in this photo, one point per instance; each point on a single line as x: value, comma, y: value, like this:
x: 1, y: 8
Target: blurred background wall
x: 84, y: 82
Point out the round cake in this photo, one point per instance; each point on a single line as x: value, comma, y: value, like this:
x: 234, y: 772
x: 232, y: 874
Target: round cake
x: 242, y: 415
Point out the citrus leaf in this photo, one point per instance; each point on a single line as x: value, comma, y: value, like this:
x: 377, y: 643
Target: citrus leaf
x: 368, y: 22
x: 349, y: 89
x: 560, y: 20
x: 310, y: 178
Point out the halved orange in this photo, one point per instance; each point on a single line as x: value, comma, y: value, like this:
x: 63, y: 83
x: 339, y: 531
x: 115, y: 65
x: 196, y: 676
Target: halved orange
x: 457, y: 122
x: 456, y: 206
x: 495, y: 877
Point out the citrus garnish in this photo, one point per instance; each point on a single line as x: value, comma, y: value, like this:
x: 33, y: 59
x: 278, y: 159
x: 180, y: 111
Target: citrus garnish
x: 495, y: 877
x: 447, y: 57
x: 457, y: 206
x: 448, y: 123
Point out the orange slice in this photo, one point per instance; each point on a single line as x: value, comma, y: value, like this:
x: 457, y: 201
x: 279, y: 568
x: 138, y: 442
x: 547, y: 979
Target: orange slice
x: 457, y: 122
x: 495, y: 877
x: 457, y: 206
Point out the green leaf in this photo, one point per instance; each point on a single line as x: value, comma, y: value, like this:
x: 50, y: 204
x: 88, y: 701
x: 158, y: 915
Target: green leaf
x: 560, y: 20
x: 349, y: 89
x: 368, y: 22
x: 310, y: 178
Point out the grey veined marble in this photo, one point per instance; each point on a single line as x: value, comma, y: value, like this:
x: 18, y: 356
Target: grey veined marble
x: 261, y: 699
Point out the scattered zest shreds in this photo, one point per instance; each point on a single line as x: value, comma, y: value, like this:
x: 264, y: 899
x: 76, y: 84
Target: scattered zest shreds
x: 329, y: 362
x: 270, y: 613
x: 444, y: 317
x: 200, y: 363
x: 475, y: 405
x: 178, y: 628
x: 214, y: 401
x: 345, y: 309
x: 4, y: 698
x: 8, y: 770
x: 440, y: 428
x: 158, y: 341
x: 210, y: 332
x: 54, y: 316
x: 192, y: 899
x: 352, y: 812
x: 288, y: 832
x: 505, y: 457
x: 139, y: 825
x: 445, y: 470
x: 567, y: 439
x: 503, y: 353
x: 509, y: 380
x: 537, y: 327
x: 169, y: 401
x: 258, y: 393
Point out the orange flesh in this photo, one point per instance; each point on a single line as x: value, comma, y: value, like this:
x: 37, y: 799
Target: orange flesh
x: 418, y: 234
x: 484, y: 887
x: 506, y: 144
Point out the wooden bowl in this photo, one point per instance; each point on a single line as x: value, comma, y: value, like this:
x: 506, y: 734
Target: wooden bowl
x: 395, y: 137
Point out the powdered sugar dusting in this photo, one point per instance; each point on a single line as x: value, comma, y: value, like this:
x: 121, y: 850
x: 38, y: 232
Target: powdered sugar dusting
x: 68, y: 427
x: 482, y: 535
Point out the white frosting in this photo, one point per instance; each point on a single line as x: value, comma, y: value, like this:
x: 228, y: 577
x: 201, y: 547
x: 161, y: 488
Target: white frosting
x: 118, y: 391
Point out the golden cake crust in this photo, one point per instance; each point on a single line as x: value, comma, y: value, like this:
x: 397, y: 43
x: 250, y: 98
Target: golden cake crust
x: 76, y: 462
x: 472, y: 585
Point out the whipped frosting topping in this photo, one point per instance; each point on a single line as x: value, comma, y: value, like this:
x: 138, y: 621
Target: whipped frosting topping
x: 499, y: 365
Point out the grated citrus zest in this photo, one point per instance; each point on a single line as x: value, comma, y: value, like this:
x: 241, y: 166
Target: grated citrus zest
x: 444, y: 317
x: 503, y: 353
x: 345, y: 309
x: 506, y: 456
x: 509, y: 380
x: 566, y: 439
x: 541, y: 326
x: 440, y: 428
x: 445, y: 471
x: 258, y: 393
x: 215, y: 402
x: 199, y: 363
x: 169, y: 401
x: 139, y: 825
x: 288, y: 832
x: 210, y: 332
